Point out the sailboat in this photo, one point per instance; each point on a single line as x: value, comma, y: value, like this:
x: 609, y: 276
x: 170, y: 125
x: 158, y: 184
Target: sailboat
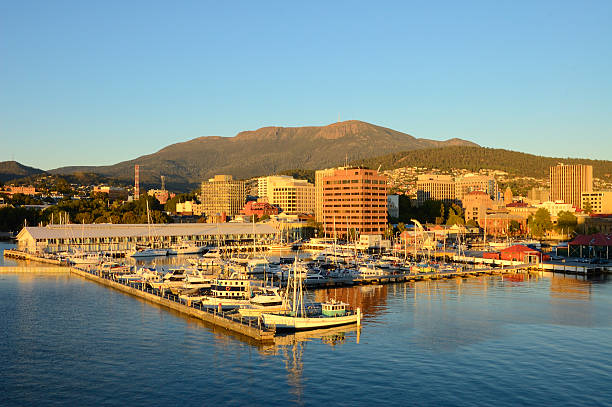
x: 331, y: 313
x: 280, y: 245
x: 148, y: 251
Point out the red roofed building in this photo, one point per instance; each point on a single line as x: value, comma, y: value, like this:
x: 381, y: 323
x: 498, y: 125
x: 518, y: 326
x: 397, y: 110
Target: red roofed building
x: 597, y: 245
x: 259, y: 209
x: 518, y: 252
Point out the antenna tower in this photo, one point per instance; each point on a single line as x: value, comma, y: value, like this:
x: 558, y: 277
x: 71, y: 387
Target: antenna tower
x: 136, y: 181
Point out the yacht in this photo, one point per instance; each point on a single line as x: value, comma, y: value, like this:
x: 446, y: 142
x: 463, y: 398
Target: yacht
x: 185, y: 248
x: 85, y: 258
x: 370, y: 270
x: 147, y: 252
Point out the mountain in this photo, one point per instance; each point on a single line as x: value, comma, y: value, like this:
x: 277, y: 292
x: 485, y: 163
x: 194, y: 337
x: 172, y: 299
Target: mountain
x: 10, y: 170
x: 476, y: 158
x: 265, y: 151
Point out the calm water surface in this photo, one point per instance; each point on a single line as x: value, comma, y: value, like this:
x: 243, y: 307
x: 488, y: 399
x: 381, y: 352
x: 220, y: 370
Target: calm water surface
x: 544, y: 340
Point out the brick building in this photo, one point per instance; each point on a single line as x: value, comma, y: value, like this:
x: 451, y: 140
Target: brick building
x: 354, y: 199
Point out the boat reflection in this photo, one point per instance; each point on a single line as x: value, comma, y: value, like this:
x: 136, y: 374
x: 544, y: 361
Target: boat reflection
x: 291, y: 348
x: 370, y: 298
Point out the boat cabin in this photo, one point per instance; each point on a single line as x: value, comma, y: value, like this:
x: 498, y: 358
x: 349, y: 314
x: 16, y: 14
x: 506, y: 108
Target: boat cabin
x: 333, y: 308
x: 231, y: 288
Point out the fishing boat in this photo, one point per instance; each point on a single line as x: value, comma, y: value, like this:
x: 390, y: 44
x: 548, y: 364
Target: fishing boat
x: 302, y: 316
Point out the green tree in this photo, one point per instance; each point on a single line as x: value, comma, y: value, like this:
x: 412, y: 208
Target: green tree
x: 317, y: 227
x: 514, y: 227
x: 588, y: 208
x: 566, y: 222
x: 540, y: 223
x: 454, y: 218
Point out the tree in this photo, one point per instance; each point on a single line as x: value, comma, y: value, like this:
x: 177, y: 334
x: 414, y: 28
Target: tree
x: 540, y: 223
x: 514, y: 227
x: 454, y: 218
x: 472, y: 223
x: 440, y: 219
x: 566, y: 222
x: 588, y: 208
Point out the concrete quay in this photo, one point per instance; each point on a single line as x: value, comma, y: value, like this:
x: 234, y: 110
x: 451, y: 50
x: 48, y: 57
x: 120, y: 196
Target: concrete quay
x: 19, y: 255
x: 246, y: 327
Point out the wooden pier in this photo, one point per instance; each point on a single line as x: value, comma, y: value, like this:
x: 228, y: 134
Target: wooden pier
x: 247, y: 327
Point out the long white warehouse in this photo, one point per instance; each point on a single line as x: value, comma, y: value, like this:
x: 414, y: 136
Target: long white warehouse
x: 111, y: 237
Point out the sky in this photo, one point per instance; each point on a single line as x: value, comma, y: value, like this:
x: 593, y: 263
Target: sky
x: 96, y: 83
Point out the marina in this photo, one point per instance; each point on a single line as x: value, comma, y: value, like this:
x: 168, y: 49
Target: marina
x: 218, y: 307
x: 454, y: 332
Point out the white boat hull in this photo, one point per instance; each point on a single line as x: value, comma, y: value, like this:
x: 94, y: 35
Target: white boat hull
x: 149, y: 253
x: 297, y: 323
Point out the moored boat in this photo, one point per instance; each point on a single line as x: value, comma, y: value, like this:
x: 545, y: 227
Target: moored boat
x: 301, y: 316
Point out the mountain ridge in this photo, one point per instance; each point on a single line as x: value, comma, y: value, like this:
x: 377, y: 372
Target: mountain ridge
x: 264, y: 151
x: 10, y: 170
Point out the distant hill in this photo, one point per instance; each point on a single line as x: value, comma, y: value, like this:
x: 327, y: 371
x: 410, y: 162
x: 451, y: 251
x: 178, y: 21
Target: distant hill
x: 10, y: 170
x: 265, y: 151
x: 476, y: 158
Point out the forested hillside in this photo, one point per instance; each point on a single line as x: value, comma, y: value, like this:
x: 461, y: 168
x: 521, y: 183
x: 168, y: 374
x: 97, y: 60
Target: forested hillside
x: 476, y: 158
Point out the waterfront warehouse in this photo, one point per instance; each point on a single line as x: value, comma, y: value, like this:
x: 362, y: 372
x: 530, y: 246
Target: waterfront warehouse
x: 117, y: 237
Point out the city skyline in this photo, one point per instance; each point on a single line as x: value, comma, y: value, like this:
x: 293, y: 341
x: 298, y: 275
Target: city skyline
x: 90, y: 84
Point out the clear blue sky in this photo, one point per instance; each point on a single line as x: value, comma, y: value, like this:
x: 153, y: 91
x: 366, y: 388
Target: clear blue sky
x: 84, y: 82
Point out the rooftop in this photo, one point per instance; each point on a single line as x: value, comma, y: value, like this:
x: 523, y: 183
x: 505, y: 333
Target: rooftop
x: 74, y: 231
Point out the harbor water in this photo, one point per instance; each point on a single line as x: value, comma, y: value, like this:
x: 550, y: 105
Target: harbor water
x: 504, y: 341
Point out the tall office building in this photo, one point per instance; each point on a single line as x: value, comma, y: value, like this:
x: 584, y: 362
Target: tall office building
x: 293, y: 196
x: 319, y: 174
x: 568, y: 182
x: 223, y: 194
x: 435, y: 187
x: 354, y: 199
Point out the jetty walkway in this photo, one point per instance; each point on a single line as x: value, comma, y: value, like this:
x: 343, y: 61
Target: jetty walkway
x: 251, y: 327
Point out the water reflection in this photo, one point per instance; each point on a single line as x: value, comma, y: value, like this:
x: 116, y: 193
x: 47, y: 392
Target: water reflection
x: 291, y: 348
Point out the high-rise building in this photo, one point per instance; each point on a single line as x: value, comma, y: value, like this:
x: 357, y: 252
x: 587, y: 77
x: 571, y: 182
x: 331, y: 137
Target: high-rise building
x: 223, y: 194
x: 293, y: 196
x: 354, y: 199
x: 435, y: 187
x: 472, y: 182
x: 600, y: 202
x: 568, y: 182
x: 319, y: 174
